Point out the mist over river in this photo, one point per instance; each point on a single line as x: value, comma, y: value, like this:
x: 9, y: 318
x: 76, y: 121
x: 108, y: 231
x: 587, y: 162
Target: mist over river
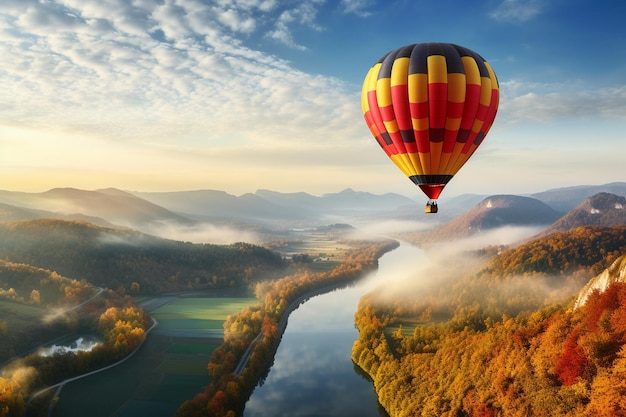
x: 313, y: 374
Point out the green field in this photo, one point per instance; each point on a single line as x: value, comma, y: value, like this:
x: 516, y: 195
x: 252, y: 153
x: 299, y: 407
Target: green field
x: 165, y: 372
x: 25, y: 323
x: 18, y: 316
x: 326, y: 249
x: 207, y: 313
x: 408, y: 327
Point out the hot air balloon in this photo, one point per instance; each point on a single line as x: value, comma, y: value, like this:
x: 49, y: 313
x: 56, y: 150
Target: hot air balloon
x: 429, y: 106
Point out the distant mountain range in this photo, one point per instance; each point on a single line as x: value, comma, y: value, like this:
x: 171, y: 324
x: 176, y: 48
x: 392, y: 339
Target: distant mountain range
x: 560, y: 199
x: 272, y: 206
x: 565, y: 199
x: 102, y: 207
x: 145, y: 211
x: 459, y: 216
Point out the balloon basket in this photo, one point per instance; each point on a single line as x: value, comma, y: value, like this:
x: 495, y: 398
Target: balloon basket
x: 431, y: 207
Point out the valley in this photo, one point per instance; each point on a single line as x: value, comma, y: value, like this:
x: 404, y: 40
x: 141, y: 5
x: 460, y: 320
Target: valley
x: 212, y: 300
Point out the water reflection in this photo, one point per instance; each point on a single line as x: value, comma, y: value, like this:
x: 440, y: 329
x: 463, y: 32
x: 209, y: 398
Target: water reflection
x: 313, y: 374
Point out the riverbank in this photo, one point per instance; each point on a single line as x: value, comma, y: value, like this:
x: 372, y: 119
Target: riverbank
x: 228, y: 391
x: 282, y: 323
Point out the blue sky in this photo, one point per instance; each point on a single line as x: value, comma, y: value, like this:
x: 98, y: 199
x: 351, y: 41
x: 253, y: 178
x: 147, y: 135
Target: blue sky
x: 240, y: 95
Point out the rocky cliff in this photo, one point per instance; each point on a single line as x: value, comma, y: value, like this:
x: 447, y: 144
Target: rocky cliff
x: 615, y: 273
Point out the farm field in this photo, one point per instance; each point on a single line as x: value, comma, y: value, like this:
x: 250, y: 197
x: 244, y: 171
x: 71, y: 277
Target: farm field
x: 197, y: 316
x: 19, y: 316
x: 326, y: 250
x: 23, y: 322
x: 168, y: 369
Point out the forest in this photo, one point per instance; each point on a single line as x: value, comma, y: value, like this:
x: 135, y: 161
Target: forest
x: 504, y: 339
x: 131, y: 262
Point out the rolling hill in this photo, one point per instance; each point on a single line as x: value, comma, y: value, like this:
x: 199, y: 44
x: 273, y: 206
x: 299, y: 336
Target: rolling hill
x: 602, y: 209
x: 491, y: 213
x: 116, y: 258
x: 567, y: 198
x: 149, y: 211
x: 111, y: 205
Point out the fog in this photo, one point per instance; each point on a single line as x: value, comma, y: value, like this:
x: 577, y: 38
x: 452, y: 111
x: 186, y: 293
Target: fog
x: 54, y: 314
x: 18, y: 374
x: 203, y: 233
x: 441, y: 273
x: 389, y: 227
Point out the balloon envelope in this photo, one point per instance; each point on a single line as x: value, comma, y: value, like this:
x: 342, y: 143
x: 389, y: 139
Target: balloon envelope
x: 429, y: 106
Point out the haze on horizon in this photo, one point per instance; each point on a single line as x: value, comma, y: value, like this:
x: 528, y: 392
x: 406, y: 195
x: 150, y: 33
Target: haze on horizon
x: 240, y: 95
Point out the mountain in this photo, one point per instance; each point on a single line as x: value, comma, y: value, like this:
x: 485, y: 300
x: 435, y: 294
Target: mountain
x: 567, y: 198
x: 615, y: 273
x: 602, y: 209
x: 148, y: 211
x: 276, y: 207
x: 452, y: 207
x: 114, y: 206
x: 491, y: 213
x: 9, y: 213
x: 560, y: 199
x: 207, y: 204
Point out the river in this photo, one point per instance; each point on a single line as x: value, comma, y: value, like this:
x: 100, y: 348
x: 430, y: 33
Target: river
x: 313, y: 373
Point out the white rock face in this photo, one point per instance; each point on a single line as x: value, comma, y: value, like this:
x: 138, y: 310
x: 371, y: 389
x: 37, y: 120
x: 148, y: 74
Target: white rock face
x: 615, y: 273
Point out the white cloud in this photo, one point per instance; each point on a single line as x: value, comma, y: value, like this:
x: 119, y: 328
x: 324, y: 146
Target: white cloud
x: 523, y: 102
x: 517, y: 10
x: 236, y: 22
x: 302, y: 15
x: 168, y: 75
x: 357, y: 7
x: 104, y: 72
x: 282, y: 31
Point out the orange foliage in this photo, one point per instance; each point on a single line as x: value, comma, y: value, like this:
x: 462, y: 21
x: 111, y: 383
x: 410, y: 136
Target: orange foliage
x: 516, y: 351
